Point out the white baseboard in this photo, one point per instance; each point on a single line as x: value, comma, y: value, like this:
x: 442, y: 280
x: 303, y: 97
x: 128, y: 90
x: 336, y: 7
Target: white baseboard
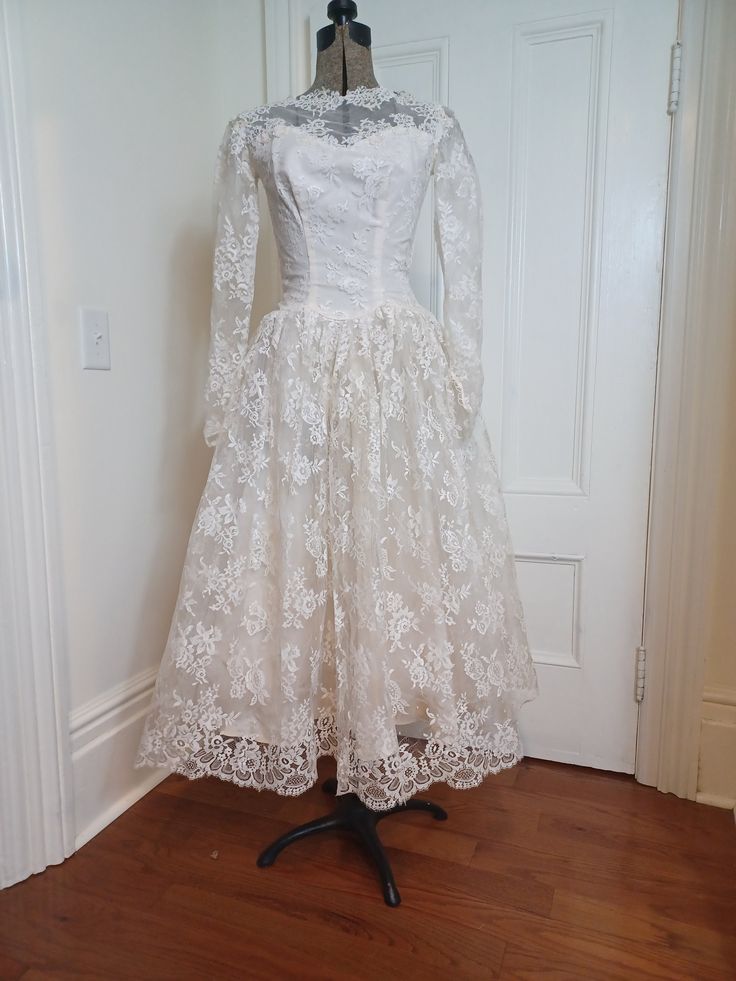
x: 715, y: 801
x: 104, y: 735
x: 717, y: 762
x: 147, y: 781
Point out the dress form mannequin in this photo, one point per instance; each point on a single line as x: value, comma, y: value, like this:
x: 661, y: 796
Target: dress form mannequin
x: 343, y: 51
x: 344, y: 62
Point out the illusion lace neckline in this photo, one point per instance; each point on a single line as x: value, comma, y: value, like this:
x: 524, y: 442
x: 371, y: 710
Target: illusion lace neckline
x: 331, y: 117
x: 360, y: 95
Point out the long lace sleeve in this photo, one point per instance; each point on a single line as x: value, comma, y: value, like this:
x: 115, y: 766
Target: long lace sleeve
x: 235, y: 204
x: 458, y: 227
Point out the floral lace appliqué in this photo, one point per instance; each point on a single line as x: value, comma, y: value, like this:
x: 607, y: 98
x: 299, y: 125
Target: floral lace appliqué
x: 349, y: 587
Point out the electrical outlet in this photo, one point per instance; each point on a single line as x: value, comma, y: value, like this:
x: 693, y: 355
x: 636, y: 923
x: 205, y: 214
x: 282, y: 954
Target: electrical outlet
x: 95, y: 335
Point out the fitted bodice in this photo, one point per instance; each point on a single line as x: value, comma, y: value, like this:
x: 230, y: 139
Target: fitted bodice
x: 344, y: 217
x: 345, y: 178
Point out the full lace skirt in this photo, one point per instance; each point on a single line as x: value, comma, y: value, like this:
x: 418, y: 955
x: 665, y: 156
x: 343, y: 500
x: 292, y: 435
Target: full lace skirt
x: 349, y: 587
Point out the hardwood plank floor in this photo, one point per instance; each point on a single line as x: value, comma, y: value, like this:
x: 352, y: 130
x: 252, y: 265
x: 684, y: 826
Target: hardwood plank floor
x: 544, y: 871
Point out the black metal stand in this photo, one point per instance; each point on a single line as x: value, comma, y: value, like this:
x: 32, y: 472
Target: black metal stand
x: 351, y: 814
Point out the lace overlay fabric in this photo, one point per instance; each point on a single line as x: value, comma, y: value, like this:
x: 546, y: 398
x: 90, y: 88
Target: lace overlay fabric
x: 349, y: 587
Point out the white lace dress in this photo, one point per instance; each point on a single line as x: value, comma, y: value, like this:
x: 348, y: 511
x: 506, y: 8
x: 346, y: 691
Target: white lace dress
x: 349, y: 587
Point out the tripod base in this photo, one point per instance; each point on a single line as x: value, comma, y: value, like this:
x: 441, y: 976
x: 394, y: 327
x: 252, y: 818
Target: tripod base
x: 351, y: 814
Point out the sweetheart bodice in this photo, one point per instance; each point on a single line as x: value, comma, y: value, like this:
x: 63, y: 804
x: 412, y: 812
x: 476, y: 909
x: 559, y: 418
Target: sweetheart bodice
x: 344, y: 217
x: 345, y: 178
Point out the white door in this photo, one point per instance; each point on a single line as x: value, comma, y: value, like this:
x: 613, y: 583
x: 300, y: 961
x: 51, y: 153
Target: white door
x: 565, y: 111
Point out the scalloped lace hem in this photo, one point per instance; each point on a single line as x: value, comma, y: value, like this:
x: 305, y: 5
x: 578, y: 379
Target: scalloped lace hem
x: 380, y: 784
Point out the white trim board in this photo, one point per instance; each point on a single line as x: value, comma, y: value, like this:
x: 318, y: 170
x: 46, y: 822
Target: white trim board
x: 285, y: 59
x: 717, y: 755
x: 105, y: 732
x: 36, y: 802
x: 95, y: 714
x: 698, y: 309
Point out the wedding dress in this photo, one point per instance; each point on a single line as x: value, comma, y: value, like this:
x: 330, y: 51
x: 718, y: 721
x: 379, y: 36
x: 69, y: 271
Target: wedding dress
x: 349, y: 587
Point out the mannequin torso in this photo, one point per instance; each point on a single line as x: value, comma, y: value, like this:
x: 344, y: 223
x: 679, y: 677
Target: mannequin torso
x: 344, y: 65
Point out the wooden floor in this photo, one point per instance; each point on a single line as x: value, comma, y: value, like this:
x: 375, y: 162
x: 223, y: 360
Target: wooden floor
x: 544, y: 871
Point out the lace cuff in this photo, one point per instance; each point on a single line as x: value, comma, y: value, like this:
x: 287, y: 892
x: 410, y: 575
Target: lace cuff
x: 458, y: 227
x: 235, y: 203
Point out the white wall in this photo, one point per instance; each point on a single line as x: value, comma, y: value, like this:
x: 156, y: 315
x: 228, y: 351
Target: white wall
x: 128, y: 101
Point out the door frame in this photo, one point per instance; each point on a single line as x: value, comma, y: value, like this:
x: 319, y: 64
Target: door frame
x: 693, y: 348
x: 36, y: 794
x: 698, y: 309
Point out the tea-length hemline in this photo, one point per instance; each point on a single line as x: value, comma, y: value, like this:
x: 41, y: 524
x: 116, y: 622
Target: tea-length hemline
x: 350, y: 565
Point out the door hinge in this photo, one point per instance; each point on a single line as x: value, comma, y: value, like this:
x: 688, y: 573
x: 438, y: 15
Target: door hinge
x: 641, y: 672
x: 675, y: 62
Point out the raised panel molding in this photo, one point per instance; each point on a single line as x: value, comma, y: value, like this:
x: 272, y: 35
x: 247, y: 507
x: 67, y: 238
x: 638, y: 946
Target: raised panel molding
x: 562, y: 575
x: 583, y: 47
x: 430, y: 53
